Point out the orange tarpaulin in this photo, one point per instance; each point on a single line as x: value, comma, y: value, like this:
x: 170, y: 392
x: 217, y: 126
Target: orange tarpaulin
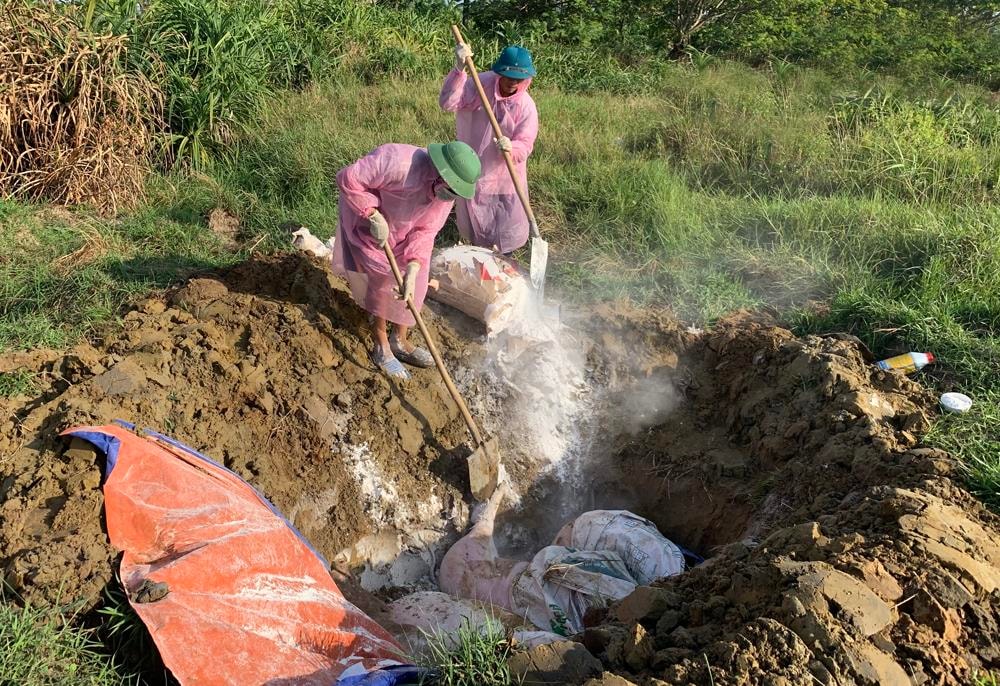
x: 249, y: 600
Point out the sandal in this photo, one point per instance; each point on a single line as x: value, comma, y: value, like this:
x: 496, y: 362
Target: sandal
x: 419, y: 357
x: 392, y: 367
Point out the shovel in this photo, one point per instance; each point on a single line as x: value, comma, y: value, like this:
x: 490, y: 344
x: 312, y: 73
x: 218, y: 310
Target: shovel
x: 539, y: 248
x: 484, y: 462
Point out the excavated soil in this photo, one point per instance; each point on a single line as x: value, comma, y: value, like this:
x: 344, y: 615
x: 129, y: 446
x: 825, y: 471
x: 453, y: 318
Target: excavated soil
x: 839, y: 551
x: 266, y: 370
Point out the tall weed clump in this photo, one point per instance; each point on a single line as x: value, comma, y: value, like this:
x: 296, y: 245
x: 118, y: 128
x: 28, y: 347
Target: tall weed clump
x: 220, y: 60
x: 472, y: 656
x: 372, y: 42
x: 126, y: 636
x: 76, y: 123
x: 934, y: 150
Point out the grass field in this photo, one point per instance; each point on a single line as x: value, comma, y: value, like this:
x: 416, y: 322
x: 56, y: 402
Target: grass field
x: 861, y: 205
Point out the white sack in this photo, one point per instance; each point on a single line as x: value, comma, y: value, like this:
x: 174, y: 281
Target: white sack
x: 308, y: 243
x: 481, y: 283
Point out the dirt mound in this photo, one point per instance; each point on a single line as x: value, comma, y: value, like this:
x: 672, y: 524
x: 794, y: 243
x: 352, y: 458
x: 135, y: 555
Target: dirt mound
x: 838, y: 550
x: 265, y: 369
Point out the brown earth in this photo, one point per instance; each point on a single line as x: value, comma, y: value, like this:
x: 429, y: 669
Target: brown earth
x: 264, y: 369
x: 840, y: 552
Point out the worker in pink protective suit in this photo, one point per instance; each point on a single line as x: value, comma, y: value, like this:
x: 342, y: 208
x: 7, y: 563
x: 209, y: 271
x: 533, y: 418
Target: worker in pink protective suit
x: 397, y: 196
x: 494, y: 218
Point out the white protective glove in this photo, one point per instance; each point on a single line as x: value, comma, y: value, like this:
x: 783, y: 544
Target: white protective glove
x: 462, y: 53
x: 504, y: 144
x: 379, y: 228
x: 410, y: 280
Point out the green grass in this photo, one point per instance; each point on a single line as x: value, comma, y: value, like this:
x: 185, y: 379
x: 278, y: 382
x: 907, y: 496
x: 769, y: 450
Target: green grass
x: 63, y: 271
x: 126, y: 636
x: 18, y: 382
x: 472, y: 657
x: 848, y: 203
x: 42, y: 648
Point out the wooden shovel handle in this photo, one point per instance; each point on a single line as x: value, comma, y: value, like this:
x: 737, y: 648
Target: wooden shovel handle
x: 471, y: 67
x: 455, y: 395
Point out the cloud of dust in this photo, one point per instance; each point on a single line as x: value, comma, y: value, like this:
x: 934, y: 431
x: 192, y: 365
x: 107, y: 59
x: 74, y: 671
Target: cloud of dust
x: 544, y: 367
x: 557, y: 405
x: 566, y: 421
x: 644, y: 404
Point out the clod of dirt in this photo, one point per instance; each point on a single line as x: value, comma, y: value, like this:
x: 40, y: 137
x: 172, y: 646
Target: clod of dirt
x: 559, y: 663
x: 224, y: 225
x: 609, y: 679
x: 151, y: 591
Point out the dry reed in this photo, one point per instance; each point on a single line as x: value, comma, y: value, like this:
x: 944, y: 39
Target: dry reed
x: 76, y: 124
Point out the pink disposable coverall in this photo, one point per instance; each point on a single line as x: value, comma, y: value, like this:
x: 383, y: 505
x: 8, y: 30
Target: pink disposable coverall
x: 398, y: 181
x: 494, y: 217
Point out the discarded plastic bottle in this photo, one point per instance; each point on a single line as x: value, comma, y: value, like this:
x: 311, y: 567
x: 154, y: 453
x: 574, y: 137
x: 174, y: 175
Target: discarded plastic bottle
x: 907, y: 362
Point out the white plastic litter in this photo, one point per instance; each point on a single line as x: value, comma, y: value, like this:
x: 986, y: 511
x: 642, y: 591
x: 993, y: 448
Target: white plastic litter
x: 482, y: 284
x: 303, y: 240
x: 958, y: 403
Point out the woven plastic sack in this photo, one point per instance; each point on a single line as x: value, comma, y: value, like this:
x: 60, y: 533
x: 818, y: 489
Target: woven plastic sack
x: 595, y: 560
x: 480, y: 283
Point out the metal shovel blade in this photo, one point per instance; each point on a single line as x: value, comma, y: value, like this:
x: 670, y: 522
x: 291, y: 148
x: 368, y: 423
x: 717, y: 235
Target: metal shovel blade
x: 539, y: 262
x: 484, y: 470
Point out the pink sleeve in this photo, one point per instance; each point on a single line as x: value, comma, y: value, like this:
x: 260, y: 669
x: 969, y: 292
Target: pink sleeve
x: 360, y: 181
x: 458, y: 92
x: 523, y: 137
x: 419, y: 246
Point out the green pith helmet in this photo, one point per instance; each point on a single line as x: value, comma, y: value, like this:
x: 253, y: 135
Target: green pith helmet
x: 458, y: 165
x: 514, y: 63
